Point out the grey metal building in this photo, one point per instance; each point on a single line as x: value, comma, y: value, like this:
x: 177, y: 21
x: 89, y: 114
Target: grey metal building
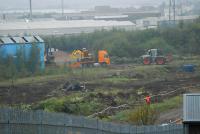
x: 191, y: 113
x: 55, y: 27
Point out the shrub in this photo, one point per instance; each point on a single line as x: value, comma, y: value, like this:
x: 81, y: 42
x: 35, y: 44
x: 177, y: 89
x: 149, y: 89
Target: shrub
x: 143, y: 115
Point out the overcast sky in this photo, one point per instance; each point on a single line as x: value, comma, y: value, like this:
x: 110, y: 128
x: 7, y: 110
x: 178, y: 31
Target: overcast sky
x: 73, y: 4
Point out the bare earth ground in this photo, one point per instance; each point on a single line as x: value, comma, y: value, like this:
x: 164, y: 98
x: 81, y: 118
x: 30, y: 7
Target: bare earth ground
x: 171, y: 115
x: 176, y: 113
x: 37, y: 91
x: 31, y: 93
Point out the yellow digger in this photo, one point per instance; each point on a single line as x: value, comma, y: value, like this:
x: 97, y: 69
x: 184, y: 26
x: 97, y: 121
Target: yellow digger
x: 83, y: 58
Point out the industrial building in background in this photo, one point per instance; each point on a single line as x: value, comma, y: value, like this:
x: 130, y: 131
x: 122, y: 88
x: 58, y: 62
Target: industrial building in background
x: 30, y: 14
x: 11, y: 46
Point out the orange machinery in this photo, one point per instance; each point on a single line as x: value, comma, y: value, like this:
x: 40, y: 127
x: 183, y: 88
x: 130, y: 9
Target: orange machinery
x: 83, y: 58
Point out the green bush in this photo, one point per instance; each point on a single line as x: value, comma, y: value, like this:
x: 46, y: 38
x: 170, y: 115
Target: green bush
x: 70, y: 104
x: 144, y: 115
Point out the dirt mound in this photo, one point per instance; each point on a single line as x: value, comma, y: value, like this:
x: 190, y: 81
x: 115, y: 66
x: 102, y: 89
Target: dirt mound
x: 72, y: 85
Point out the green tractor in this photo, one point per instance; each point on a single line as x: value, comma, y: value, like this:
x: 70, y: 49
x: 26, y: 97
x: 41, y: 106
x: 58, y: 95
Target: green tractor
x: 155, y: 56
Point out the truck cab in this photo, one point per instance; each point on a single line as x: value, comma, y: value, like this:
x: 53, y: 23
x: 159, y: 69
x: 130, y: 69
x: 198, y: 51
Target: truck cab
x: 103, y: 57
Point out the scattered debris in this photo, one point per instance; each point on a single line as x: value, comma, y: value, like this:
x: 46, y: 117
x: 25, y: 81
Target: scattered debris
x: 73, y: 85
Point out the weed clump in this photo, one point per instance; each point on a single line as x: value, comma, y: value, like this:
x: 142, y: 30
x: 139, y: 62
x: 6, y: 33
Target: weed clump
x: 143, y: 115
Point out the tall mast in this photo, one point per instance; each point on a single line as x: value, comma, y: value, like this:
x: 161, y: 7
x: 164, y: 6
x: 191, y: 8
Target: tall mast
x: 30, y: 14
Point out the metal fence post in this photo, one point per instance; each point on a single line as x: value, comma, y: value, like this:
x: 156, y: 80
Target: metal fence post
x: 97, y: 126
x: 8, y: 123
x: 40, y: 123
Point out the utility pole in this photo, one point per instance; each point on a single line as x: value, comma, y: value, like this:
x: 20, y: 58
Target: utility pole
x: 62, y: 7
x: 30, y: 14
x: 181, y: 4
x: 170, y: 4
x: 174, y: 7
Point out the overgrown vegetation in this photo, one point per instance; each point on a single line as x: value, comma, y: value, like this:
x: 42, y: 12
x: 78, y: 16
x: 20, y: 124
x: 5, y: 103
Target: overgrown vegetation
x: 78, y: 104
x: 144, y: 115
x: 147, y: 115
x: 116, y: 85
x: 105, y: 87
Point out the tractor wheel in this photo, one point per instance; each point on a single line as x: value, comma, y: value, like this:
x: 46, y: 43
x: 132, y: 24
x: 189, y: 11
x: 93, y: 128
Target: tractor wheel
x: 146, y: 61
x: 160, y: 61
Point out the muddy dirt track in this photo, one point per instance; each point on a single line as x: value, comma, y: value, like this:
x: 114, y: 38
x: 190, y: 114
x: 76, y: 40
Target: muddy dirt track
x: 39, y: 91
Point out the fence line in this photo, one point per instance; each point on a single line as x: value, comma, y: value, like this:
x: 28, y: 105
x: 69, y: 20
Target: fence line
x: 13, y: 121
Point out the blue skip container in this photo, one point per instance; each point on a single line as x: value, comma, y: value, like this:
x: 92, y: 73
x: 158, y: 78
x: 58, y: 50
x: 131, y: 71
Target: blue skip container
x: 188, y: 68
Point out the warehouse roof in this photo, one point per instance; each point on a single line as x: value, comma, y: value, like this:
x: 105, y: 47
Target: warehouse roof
x: 6, y: 40
x: 111, y: 17
x: 19, y: 40
x: 191, y: 108
x: 61, y: 24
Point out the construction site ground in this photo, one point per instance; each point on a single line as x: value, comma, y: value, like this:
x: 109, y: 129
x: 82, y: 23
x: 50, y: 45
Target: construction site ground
x: 111, y: 86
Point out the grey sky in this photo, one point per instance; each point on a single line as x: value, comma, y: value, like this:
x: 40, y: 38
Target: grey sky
x: 10, y: 4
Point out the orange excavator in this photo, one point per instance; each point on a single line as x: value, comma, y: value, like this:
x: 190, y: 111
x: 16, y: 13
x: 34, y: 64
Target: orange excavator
x: 83, y: 58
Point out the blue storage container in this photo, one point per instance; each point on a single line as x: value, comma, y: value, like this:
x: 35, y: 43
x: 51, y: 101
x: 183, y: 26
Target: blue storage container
x: 188, y: 68
x: 9, y: 46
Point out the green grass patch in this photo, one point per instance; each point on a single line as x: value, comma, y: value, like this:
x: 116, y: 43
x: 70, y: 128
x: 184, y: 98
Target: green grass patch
x: 34, y: 79
x: 118, y: 80
x: 77, y: 104
x: 168, y: 104
x: 120, y: 116
x: 152, y: 71
x: 56, y: 73
x: 164, y: 106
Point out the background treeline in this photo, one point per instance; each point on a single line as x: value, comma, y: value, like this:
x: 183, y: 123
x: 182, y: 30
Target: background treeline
x: 123, y: 46
x: 184, y: 39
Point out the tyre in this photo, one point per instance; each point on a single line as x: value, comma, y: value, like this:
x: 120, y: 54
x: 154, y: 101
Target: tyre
x: 146, y: 61
x: 160, y: 61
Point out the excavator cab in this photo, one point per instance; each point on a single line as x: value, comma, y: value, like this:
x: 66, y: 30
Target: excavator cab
x: 86, y: 55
